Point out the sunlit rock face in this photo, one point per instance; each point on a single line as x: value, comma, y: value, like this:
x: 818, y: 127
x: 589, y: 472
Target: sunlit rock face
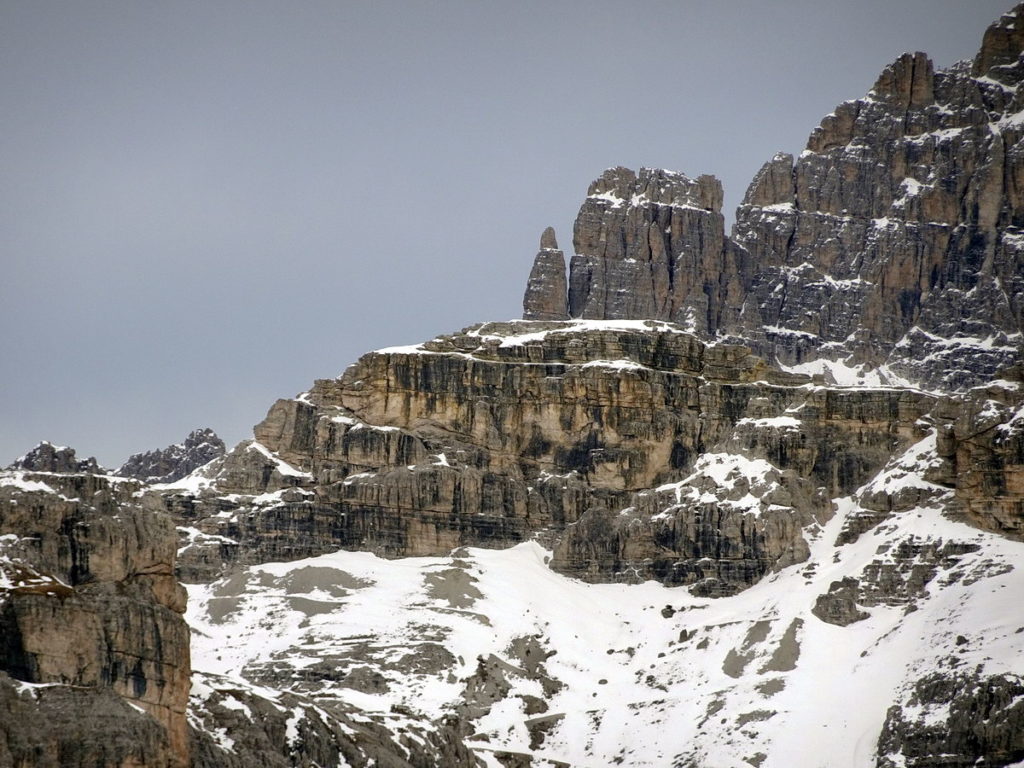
x: 90, y: 616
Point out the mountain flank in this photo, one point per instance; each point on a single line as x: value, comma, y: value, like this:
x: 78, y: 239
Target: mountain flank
x: 716, y: 501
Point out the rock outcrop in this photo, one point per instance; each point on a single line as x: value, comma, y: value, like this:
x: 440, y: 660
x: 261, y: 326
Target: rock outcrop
x: 642, y: 452
x: 892, y: 239
x: 91, y: 624
x: 651, y: 245
x: 956, y: 719
x: 175, y: 461
x: 236, y: 726
x: 892, y: 244
x: 814, y: 427
x: 545, y: 297
x: 47, y: 457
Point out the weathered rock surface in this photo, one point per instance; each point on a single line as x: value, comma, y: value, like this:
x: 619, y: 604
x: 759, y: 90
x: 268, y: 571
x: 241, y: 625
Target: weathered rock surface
x: 650, y: 245
x: 956, y: 719
x: 894, y: 241
x: 641, y: 452
x: 175, y: 461
x: 47, y: 457
x: 546, y: 290
x: 891, y: 244
x: 63, y: 726
x: 235, y: 726
x: 89, y: 602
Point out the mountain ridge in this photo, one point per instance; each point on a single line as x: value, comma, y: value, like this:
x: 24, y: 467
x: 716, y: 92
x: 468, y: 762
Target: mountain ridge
x: 718, y: 500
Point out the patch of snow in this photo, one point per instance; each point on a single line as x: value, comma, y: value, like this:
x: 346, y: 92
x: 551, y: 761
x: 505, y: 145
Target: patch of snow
x: 843, y: 375
x: 907, y: 470
x: 631, y: 687
x: 780, y: 331
x: 193, y: 483
x: 582, y: 326
x: 408, y: 349
x: 16, y: 479
x: 608, y: 197
x: 618, y: 365
x: 775, y: 422
x: 283, y: 467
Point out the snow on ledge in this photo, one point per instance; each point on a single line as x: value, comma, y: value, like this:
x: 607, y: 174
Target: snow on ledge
x: 283, y: 467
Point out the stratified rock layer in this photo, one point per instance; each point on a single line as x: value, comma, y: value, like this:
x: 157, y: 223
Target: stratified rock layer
x: 639, y: 451
x: 88, y: 600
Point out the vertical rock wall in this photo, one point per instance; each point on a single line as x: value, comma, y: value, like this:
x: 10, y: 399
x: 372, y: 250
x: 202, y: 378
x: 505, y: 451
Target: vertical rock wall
x: 90, y: 610
x: 894, y: 241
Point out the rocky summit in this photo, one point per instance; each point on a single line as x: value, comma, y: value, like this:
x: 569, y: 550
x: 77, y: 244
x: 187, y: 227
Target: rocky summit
x: 718, y: 500
x: 890, y: 245
x: 175, y: 461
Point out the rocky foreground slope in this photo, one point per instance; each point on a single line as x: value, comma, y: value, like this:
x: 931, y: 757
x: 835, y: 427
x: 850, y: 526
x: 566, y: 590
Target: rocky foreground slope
x: 744, y: 500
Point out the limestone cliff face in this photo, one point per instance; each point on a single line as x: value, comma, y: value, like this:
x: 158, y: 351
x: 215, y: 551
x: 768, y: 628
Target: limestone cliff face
x: 639, y: 451
x: 893, y: 242
x: 651, y: 245
x: 89, y: 605
x: 892, y: 239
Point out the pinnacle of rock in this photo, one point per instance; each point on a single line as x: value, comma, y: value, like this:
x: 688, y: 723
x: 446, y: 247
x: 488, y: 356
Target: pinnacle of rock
x: 545, y: 296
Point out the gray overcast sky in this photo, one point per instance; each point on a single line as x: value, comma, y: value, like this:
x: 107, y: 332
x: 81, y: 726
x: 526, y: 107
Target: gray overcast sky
x: 206, y: 205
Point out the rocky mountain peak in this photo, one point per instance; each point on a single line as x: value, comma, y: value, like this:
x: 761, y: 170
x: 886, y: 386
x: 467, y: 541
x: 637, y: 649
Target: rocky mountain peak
x: 548, y: 242
x: 47, y: 457
x: 907, y: 82
x: 1002, y: 43
x: 649, y: 244
x: 656, y: 186
x: 891, y: 245
x: 175, y: 461
x: 774, y: 183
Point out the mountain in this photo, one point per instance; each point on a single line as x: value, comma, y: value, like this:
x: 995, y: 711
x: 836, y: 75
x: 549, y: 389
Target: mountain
x: 891, y: 244
x: 47, y: 457
x: 753, y: 499
x: 175, y: 461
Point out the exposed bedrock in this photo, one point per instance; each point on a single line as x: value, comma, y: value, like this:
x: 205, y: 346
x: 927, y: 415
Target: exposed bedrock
x: 80, y: 552
x: 892, y: 242
x: 646, y: 453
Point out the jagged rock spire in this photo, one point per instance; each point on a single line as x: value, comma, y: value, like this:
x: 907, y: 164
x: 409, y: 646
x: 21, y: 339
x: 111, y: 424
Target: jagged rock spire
x: 546, y: 291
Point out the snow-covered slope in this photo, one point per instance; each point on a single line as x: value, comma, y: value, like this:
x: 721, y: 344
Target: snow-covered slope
x: 641, y: 675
